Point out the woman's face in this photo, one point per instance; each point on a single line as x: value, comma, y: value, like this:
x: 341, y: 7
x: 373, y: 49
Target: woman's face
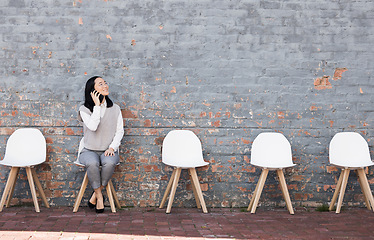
x: 101, y: 86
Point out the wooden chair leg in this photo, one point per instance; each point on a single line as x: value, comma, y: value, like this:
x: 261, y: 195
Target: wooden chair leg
x: 286, y: 195
x: 368, y: 205
x: 8, y: 186
x: 173, y: 189
x: 342, y: 190
x: 110, y: 196
x: 11, y: 192
x: 194, y: 189
x: 198, y: 189
x: 366, y: 187
x: 30, y: 178
x: 167, y: 191
x: 39, y: 187
x: 337, y: 190
x: 81, y: 193
x: 261, y: 183
x: 116, y: 201
x: 254, y: 194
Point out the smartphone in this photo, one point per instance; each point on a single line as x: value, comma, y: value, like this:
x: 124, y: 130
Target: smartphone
x: 101, y: 97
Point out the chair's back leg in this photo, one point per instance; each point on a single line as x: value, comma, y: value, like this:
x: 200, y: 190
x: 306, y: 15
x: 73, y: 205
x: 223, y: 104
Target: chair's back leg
x: 39, y: 187
x: 114, y: 194
x: 368, y: 205
x: 366, y: 187
x: 81, y: 193
x: 30, y: 178
x: 286, y: 195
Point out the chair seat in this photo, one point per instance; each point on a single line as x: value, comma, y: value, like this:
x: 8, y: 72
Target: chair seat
x: 13, y: 163
x: 275, y: 166
x: 353, y: 166
x: 185, y: 166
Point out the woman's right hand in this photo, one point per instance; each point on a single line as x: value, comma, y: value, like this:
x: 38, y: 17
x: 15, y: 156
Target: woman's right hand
x: 95, y: 97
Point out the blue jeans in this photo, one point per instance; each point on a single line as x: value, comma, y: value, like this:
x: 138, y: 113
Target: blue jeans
x: 100, y: 168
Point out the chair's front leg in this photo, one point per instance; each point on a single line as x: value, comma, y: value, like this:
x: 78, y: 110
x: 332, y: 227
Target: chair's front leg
x: 167, y: 191
x: 8, y: 186
x: 11, y: 191
x: 81, y: 193
x: 32, y: 188
x: 337, y: 190
x: 194, y: 189
x: 261, y: 183
x: 342, y: 190
x: 198, y: 189
x: 173, y: 189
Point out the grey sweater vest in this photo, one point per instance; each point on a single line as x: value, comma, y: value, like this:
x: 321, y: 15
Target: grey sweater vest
x: 100, y: 139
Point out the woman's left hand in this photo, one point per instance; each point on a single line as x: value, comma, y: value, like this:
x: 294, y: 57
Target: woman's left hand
x: 109, y: 152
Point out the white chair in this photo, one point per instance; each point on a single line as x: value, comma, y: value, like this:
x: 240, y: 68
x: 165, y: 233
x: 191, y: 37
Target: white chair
x: 271, y: 151
x: 112, y: 195
x: 350, y: 151
x: 25, y: 148
x: 181, y: 149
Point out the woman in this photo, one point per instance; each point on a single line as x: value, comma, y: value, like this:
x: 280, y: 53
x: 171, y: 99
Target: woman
x: 103, y: 131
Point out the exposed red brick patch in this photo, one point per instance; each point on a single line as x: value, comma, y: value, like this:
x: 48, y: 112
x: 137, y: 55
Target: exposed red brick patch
x: 314, y: 108
x: 338, y: 73
x: 147, y: 123
x: 245, y: 141
x: 280, y: 115
x: 331, y: 123
x: 159, y: 140
x: 322, y: 83
x: 216, y: 123
x: 129, y: 114
x: 69, y: 131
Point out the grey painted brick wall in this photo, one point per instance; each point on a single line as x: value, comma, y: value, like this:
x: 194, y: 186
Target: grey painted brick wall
x: 228, y: 70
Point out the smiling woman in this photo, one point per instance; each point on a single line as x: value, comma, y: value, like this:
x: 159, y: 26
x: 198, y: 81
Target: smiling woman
x: 103, y: 131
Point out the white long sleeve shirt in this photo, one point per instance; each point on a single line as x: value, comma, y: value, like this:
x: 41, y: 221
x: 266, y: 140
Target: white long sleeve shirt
x: 92, y: 122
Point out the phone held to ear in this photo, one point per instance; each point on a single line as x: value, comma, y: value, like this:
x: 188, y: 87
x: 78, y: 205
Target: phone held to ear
x: 101, y: 97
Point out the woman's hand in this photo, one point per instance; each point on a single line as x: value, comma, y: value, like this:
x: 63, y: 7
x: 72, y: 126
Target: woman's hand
x: 95, y: 97
x: 109, y: 152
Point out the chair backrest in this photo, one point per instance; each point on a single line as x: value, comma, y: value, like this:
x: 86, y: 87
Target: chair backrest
x: 349, y: 149
x: 271, y: 150
x: 182, y: 148
x: 25, y: 147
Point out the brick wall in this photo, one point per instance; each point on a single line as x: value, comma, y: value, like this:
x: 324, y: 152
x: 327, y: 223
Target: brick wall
x: 228, y: 70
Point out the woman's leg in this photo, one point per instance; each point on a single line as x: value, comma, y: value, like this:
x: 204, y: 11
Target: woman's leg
x: 91, y: 160
x: 108, y: 163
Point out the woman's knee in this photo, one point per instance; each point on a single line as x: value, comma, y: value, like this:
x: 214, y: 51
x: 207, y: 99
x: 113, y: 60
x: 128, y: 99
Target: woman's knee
x: 92, y: 164
x: 110, y: 160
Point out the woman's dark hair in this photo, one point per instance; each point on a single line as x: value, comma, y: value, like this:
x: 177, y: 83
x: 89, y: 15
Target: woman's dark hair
x: 88, y: 102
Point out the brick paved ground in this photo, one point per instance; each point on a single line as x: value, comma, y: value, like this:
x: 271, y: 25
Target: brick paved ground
x: 182, y: 223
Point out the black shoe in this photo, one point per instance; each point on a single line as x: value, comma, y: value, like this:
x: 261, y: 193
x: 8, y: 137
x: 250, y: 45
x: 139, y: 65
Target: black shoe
x: 91, y: 205
x: 99, y: 210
